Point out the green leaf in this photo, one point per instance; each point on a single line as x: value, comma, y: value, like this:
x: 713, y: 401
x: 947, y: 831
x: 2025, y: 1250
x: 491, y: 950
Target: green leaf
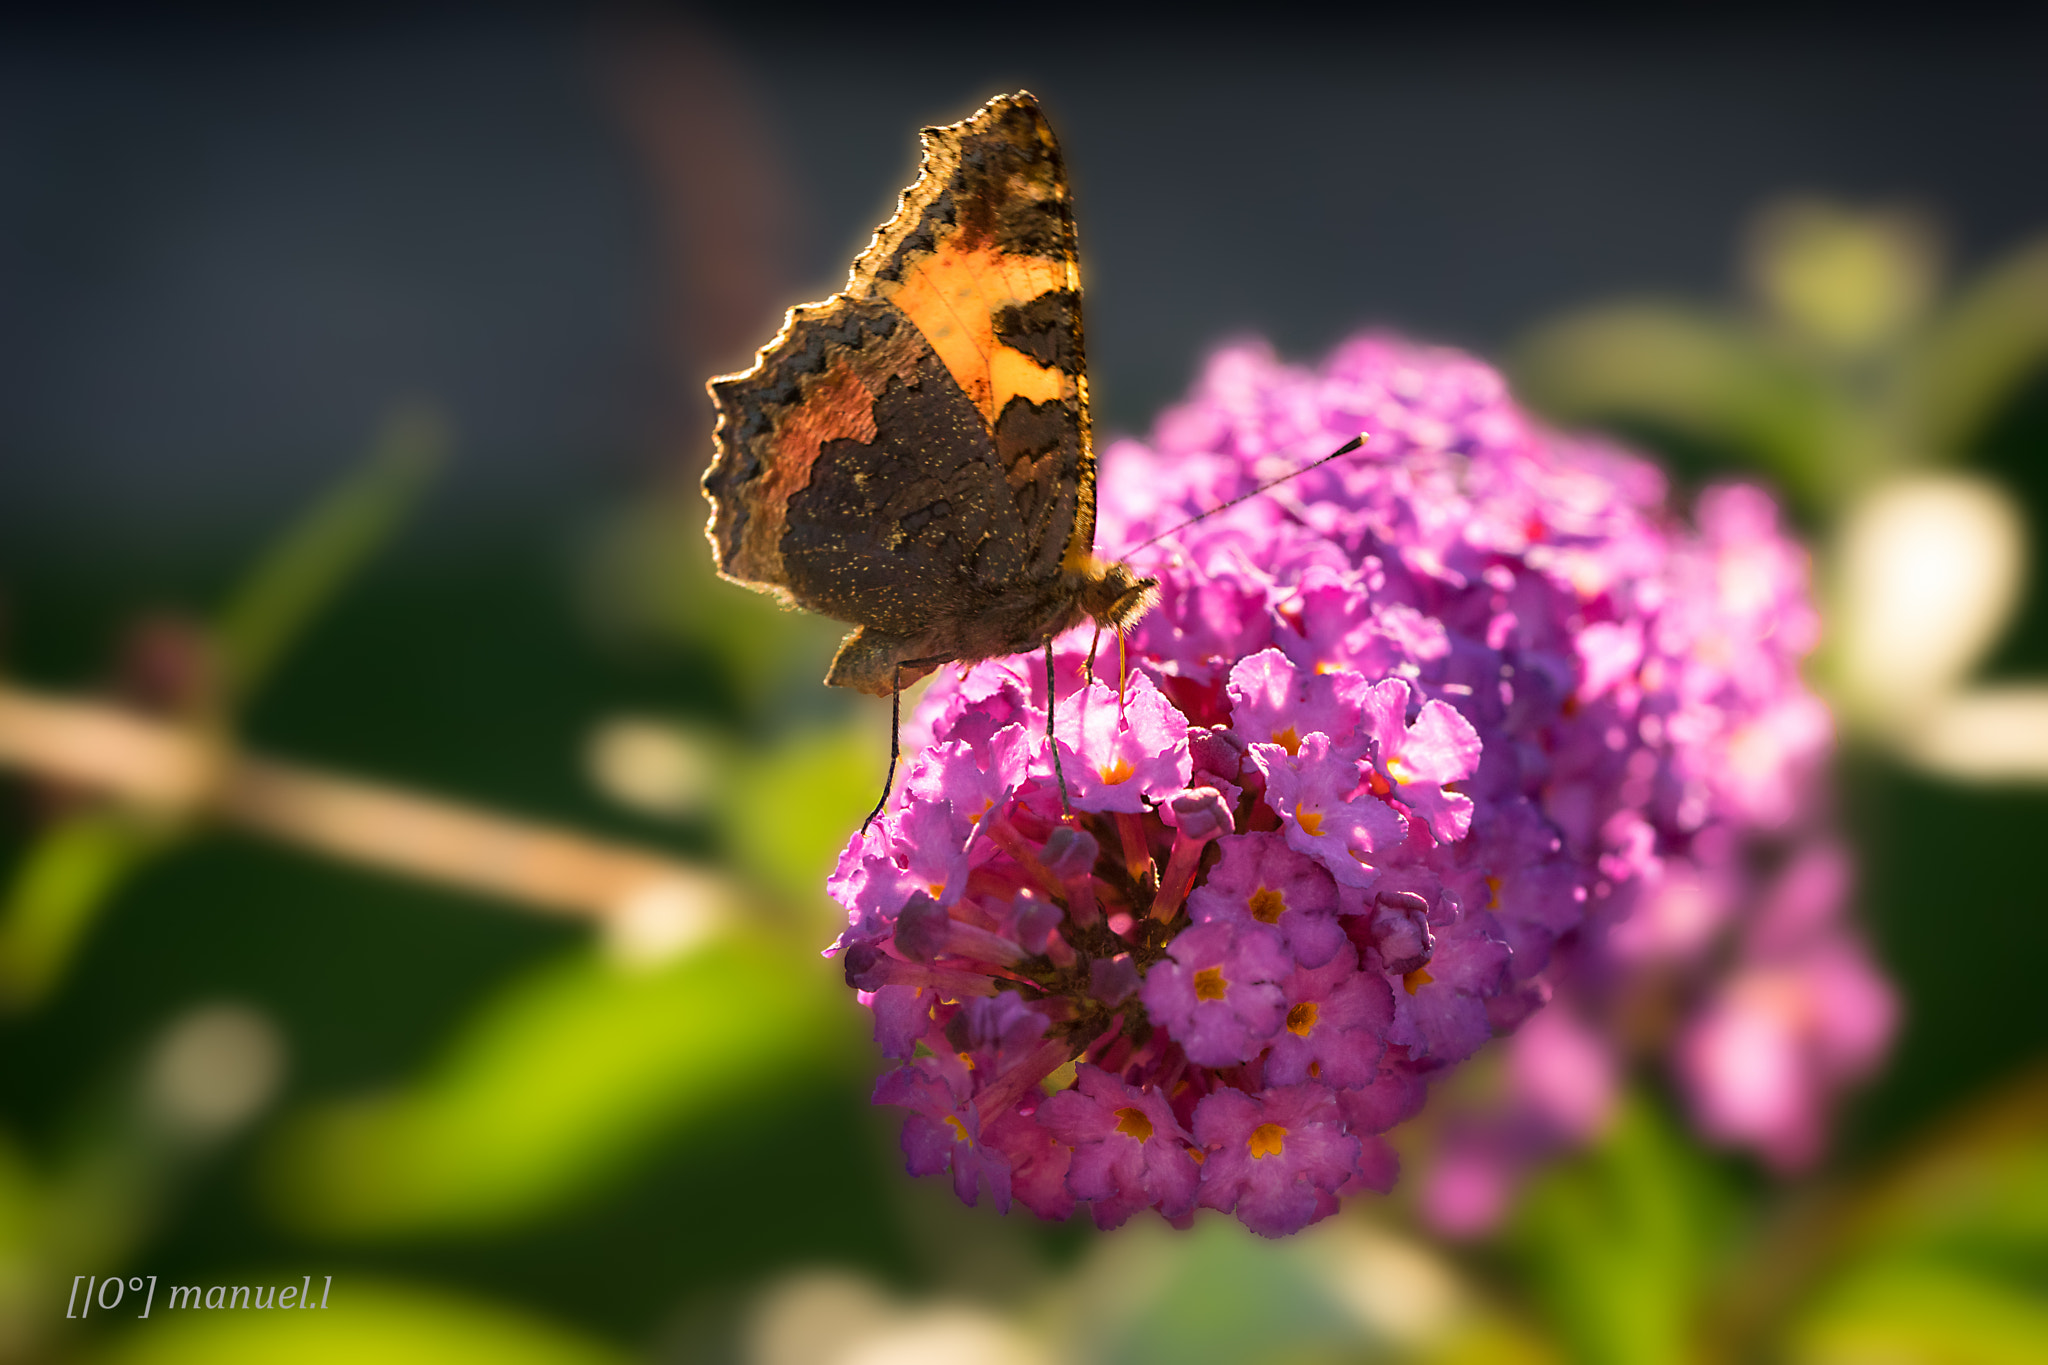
x: 1698, y: 377
x: 366, y: 1320
x: 1223, y: 1295
x: 1974, y: 1191
x: 651, y: 577
x: 62, y: 879
x: 789, y: 812
x: 1924, y: 1314
x: 1979, y: 352
x: 1944, y: 1257
x: 1848, y: 281
x: 1614, y: 1245
x: 1985, y: 1203
x: 1489, y: 1339
x: 21, y: 1203
x: 1961, y: 1214
x: 561, y: 1083
x: 304, y: 569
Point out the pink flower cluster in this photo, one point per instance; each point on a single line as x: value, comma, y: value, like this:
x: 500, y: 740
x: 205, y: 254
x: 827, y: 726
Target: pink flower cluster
x: 1738, y: 968
x: 1401, y: 736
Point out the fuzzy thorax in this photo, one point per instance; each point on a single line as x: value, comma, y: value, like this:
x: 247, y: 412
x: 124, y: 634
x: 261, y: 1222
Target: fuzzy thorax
x: 1115, y: 596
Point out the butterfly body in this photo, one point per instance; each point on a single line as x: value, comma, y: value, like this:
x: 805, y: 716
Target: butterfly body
x: 912, y: 455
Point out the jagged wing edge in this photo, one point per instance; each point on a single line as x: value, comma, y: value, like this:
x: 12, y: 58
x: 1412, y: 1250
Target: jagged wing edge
x: 939, y: 158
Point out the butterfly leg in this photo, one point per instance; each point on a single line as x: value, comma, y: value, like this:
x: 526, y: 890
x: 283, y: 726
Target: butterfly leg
x: 1122, y: 670
x: 1050, y: 742
x: 895, y: 735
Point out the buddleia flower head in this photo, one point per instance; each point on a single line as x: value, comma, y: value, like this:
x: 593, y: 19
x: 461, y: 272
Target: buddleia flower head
x: 1396, y: 733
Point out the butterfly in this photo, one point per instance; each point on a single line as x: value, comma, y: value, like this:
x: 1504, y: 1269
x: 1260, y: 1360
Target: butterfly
x: 912, y: 455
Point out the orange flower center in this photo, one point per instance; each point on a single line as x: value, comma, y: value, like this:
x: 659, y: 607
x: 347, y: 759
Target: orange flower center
x: 1210, y: 985
x: 1266, y: 1140
x: 1302, y: 1018
x: 1133, y: 1123
x: 1310, y: 821
x: 1267, y: 905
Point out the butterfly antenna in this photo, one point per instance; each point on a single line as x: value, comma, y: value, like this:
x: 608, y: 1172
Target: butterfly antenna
x: 1066, y: 810
x: 1353, y: 444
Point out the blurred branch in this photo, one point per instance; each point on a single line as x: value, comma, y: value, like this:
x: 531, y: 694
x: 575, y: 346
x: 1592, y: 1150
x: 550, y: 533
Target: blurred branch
x: 159, y: 768
x: 84, y: 856
x: 169, y: 773
x: 460, y: 846
x: 1986, y: 734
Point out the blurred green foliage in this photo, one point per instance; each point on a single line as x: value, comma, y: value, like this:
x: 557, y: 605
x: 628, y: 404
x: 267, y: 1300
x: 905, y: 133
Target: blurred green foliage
x: 1642, y: 1250
x: 84, y: 856
x: 557, y: 1084
x: 58, y: 885
x: 1846, y: 366
x: 314, y: 560
x: 390, y: 1323
x: 1617, y: 1246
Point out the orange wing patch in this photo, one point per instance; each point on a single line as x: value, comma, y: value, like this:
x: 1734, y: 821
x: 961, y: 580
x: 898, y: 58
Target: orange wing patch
x: 836, y: 404
x: 954, y: 295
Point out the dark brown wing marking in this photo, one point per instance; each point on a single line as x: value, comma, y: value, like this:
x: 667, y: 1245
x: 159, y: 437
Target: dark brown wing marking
x: 914, y: 524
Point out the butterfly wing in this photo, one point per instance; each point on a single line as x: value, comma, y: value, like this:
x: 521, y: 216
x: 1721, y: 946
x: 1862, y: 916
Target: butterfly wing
x: 913, y: 453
